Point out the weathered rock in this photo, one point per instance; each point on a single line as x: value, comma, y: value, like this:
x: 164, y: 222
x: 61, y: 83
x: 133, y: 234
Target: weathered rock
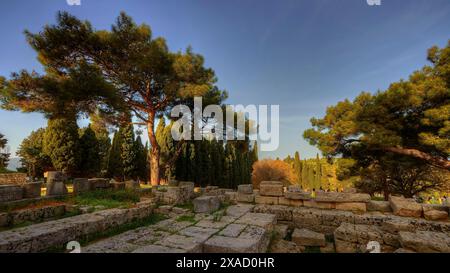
x: 56, y: 188
x: 283, y: 213
x: 290, y: 202
x: 428, y: 207
x: 294, y: 188
x: 425, y: 241
x: 117, y: 185
x: 319, y: 205
x: 245, y: 189
x: 206, y: 204
x: 268, y: 200
x: 238, y: 210
x: 264, y: 220
x: 245, y: 198
x: 342, y: 197
x: 403, y: 250
x: 354, y: 206
x: 252, y: 240
x: 396, y: 225
x: 329, y: 248
x: 283, y: 246
x: 211, y: 188
x: 132, y: 185
x: 405, y: 207
x: 382, y: 206
x: 231, y: 197
x: 232, y: 230
x: 436, y: 215
x: 32, y: 190
x: 4, y: 221
x: 173, y: 183
x: 271, y: 188
x: 58, y: 176
x: 297, y: 195
x: 81, y: 185
x: 158, y: 249
x: 99, y: 183
x: 188, y: 244
x: 306, y: 237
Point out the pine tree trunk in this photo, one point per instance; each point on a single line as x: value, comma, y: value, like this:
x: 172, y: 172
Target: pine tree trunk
x: 154, y: 150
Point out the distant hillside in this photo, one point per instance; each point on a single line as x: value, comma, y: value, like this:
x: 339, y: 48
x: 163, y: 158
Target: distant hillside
x: 14, y: 163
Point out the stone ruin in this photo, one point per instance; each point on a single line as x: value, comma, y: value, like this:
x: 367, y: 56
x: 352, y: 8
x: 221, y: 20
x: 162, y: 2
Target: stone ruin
x: 269, y: 219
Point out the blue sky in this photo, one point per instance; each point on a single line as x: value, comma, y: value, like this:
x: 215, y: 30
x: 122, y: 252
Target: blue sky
x: 300, y: 54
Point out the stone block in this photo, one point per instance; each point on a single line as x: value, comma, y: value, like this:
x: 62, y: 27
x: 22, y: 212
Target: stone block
x: 267, y: 200
x: 132, y: 185
x: 56, y: 188
x: 271, y: 188
x: 206, y: 204
x: 359, y: 207
x: 382, y: 206
x: 245, y: 198
x: 81, y: 185
x: 425, y: 241
x: 32, y: 190
x: 117, y: 185
x: 436, y: 215
x: 306, y: 237
x: 245, y: 189
x: 342, y: 197
x: 99, y: 183
x: 264, y: 220
x: 297, y: 195
x: 405, y: 207
x: 319, y: 205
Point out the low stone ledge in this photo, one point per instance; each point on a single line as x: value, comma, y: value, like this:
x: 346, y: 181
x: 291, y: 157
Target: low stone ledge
x: 271, y: 188
x: 55, y: 234
x: 10, y: 193
x: 405, y: 207
x: 342, y: 197
x: 268, y: 200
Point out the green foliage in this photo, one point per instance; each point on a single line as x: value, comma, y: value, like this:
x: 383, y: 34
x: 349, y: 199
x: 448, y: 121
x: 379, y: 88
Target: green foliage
x: 90, y: 153
x: 151, y: 78
x: 100, y: 127
x: 410, y: 118
x: 141, y: 160
x: 115, y: 168
x: 61, y: 144
x: 186, y: 218
x: 32, y: 156
x: 108, y: 198
x: 128, y: 153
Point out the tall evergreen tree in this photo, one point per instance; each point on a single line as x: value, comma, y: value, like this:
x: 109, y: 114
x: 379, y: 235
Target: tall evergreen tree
x: 32, y: 156
x: 141, y: 164
x: 297, y: 167
x: 128, y: 152
x: 101, y: 130
x: 90, y: 161
x: 61, y: 144
x: 115, y: 167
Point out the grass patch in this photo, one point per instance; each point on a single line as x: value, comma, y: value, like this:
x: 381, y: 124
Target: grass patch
x: 107, y: 198
x: 377, y: 198
x: 186, y: 218
x: 189, y: 206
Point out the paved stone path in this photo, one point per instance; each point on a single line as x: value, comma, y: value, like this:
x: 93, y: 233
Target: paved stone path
x: 235, y: 229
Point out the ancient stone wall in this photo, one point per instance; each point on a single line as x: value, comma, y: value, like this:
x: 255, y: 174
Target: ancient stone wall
x: 31, y: 215
x: 13, y: 178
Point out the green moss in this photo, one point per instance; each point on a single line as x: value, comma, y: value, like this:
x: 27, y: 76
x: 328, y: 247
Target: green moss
x: 186, y: 218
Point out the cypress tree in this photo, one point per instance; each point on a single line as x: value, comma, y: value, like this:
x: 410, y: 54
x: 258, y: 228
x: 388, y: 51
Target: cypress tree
x: 115, y: 168
x: 128, y: 152
x: 90, y: 156
x: 61, y: 144
x: 141, y: 162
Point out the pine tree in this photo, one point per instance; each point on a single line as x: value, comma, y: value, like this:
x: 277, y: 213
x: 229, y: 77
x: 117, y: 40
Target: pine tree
x: 61, y: 144
x: 90, y: 155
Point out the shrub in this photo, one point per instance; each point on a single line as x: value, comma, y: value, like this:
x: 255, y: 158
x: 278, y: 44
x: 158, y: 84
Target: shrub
x: 272, y: 170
